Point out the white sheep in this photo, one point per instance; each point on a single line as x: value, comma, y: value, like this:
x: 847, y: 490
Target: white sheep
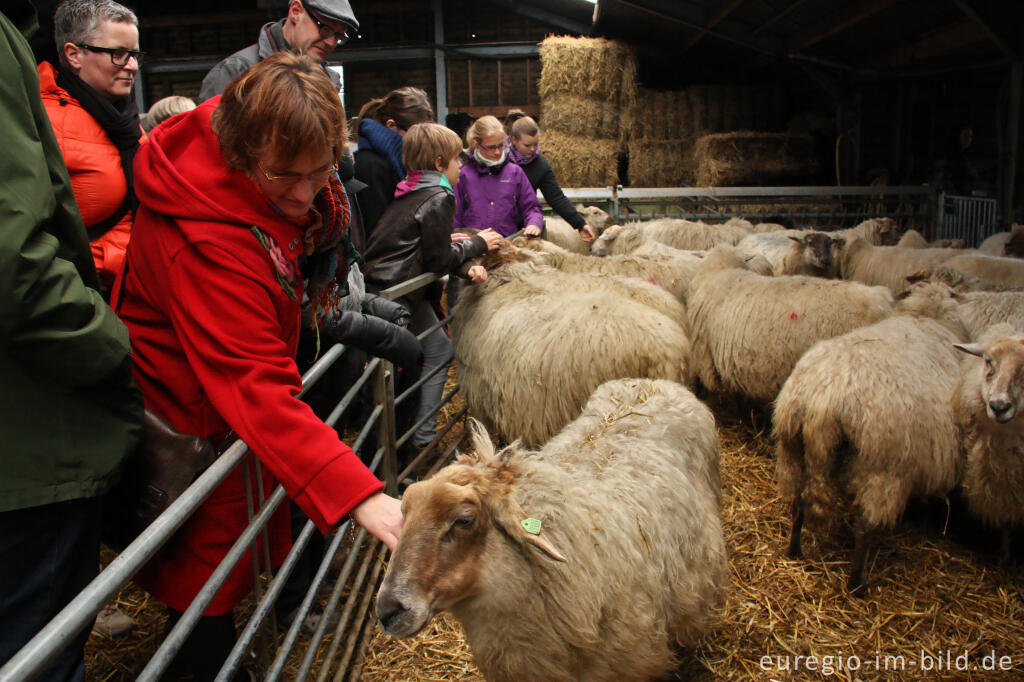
x: 1009, y: 243
x: 982, y: 309
x: 588, y: 560
x: 680, y: 234
x: 877, y: 231
x: 671, y: 272
x: 988, y: 403
x: 889, y: 265
x: 558, y: 231
x: 1006, y: 273
x: 748, y: 330
x: 815, y: 254
x: 532, y: 344
x: 864, y: 421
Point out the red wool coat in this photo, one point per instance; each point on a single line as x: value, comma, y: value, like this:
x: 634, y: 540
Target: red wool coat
x: 214, y: 338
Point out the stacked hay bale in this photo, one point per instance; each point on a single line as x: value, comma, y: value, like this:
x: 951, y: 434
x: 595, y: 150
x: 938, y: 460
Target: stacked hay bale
x: 588, y: 90
x: 666, y: 125
x: 747, y: 157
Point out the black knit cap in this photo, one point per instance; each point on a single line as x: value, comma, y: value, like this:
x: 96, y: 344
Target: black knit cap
x: 336, y: 10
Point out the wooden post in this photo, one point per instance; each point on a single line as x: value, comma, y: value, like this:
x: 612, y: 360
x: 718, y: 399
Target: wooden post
x: 1012, y: 140
x: 499, y: 82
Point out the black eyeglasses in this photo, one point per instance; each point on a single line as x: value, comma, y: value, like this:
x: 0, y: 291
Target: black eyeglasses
x: 118, y: 55
x: 340, y: 37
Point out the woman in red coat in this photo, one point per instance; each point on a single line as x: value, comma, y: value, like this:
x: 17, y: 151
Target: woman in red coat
x: 231, y: 195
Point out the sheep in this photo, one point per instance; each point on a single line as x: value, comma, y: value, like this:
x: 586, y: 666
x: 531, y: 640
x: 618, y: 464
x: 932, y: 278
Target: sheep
x: 748, y: 330
x: 1009, y: 243
x: 681, y: 234
x: 888, y: 265
x: 1006, y: 273
x: 877, y: 231
x: 532, y: 345
x: 773, y: 246
x: 558, y: 231
x: 672, y: 273
x: 987, y: 403
x: 624, y: 560
x: 630, y: 239
x: 814, y: 254
x: 864, y: 421
x: 912, y: 239
x: 982, y: 309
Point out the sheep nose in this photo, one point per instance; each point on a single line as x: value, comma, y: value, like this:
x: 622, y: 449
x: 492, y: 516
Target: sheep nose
x: 389, y: 609
x: 999, y: 406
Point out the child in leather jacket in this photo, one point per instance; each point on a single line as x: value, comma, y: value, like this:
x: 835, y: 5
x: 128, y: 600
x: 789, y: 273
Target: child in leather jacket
x: 414, y: 236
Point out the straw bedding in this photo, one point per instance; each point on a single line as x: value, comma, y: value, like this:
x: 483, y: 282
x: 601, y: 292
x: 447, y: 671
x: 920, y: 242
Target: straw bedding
x: 927, y: 595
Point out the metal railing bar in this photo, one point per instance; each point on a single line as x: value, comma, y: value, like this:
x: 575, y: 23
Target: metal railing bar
x: 422, y: 420
x: 176, y: 637
x: 367, y: 589
x: 266, y: 604
x: 350, y: 394
x: 81, y: 611
x: 433, y: 444
x: 410, y: 285
x: 424, y: 378
x: 320, y: 367
x: 369, y: 556
x: 329, y: 609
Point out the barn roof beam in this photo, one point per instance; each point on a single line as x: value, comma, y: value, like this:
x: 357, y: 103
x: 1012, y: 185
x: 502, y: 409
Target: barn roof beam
x: 837, y: 23
x: 989, y: 27
x: 724, y: 10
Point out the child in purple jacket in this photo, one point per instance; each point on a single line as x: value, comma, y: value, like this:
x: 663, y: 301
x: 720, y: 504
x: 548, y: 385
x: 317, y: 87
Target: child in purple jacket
x: 493, y: 193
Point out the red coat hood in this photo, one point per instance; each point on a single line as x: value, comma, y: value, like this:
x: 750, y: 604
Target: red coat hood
x: 182, y: 174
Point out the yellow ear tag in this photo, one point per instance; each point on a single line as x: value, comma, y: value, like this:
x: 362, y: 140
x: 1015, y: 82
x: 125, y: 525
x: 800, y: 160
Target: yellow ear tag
x: 531, y: 526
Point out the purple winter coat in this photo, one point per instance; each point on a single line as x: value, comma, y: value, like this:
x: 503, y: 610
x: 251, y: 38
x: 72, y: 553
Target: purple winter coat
x: 500, y: 198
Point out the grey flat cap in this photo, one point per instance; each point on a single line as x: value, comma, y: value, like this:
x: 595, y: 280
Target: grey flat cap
x: 337, y: 10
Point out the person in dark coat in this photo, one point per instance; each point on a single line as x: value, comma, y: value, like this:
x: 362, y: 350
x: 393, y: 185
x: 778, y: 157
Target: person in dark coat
x: 524, y: 151
x: 69, y: 410
x: 382, y: 124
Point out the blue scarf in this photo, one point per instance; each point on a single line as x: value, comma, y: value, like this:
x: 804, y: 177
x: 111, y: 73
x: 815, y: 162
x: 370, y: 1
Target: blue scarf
x: 383, y: 140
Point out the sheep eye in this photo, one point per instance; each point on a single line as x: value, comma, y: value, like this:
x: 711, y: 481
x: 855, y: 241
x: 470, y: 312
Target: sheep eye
x: 463, y: 522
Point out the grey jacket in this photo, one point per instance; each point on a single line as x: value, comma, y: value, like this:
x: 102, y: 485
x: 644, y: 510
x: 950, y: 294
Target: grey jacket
x: 271, y: 40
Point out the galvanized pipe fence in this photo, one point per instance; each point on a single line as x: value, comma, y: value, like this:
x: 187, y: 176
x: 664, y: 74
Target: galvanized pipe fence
x: 352, y: 592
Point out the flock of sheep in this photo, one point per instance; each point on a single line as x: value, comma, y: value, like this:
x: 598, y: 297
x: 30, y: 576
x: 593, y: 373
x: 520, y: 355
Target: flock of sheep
x: 592, y: 546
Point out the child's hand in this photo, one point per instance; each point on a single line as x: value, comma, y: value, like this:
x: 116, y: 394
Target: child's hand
x: 531, y: 231
x: 491, y: 237
x: 477, y: 274
x: 460, y: 236
x: 587, y: 233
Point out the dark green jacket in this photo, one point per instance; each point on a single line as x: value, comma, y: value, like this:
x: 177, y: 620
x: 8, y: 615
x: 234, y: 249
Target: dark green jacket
x: 69, y: 410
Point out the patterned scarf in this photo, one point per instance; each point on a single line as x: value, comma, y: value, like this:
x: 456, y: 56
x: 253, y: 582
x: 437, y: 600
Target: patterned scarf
x: 328, y: 249
x: 517, y: 158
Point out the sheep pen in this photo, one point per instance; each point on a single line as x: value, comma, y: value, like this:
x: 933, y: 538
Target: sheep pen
x: 930, y: 592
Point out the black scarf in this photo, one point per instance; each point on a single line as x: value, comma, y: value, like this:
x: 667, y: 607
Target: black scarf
x: 119, y: 119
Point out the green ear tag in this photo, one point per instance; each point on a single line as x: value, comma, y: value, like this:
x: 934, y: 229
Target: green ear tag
x: 532, y: 526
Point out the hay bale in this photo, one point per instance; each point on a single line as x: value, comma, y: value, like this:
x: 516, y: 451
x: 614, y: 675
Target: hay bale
x: 584, y: 116
x: 580, y: 161
x: 660, y: 163
x: 751, y: 158
x: 588, y: 67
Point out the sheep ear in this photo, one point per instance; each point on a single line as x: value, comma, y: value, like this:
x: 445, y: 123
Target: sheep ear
x: 839, y: 241
x: 972, y: 348
x: 508, y: 516
x: 920, y: 276
x: 797, y: 239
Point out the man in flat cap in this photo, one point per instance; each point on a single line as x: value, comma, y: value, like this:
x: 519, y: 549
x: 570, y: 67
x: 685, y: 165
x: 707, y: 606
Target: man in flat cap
x: 312, y: 27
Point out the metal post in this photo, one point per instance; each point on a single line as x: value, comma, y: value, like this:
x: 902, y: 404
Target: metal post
x: 384, y: 395
x: 440, y: 67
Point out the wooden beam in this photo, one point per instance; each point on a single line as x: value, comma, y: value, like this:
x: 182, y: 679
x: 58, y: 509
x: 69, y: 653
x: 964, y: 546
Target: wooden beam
x: 840, y: 21
x: 934, y: 44
x: 724, y: 10
x: 990, y: 30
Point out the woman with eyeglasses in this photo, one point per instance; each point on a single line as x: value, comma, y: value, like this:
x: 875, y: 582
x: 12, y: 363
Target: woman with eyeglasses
x: 382, y: 125
x: 90, y: 101
x: 493, y: 193
x: 240, y: 203
x: 524, y: 151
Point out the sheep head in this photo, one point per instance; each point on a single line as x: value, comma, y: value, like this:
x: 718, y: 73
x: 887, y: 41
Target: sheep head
x: 1002, y: 375
x: 820, y: 251
x: 452, y: 522
x: 1014, y: 247
x: 882, y: 231
x: 595, y: 217
x: 603, y: 245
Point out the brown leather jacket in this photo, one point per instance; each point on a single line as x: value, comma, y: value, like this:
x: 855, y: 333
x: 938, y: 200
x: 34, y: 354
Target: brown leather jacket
x: 414, y: 236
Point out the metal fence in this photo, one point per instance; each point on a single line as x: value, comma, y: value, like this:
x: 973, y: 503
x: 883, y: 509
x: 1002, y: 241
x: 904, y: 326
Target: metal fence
x: 969, y: 218
x: 356, y: 582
